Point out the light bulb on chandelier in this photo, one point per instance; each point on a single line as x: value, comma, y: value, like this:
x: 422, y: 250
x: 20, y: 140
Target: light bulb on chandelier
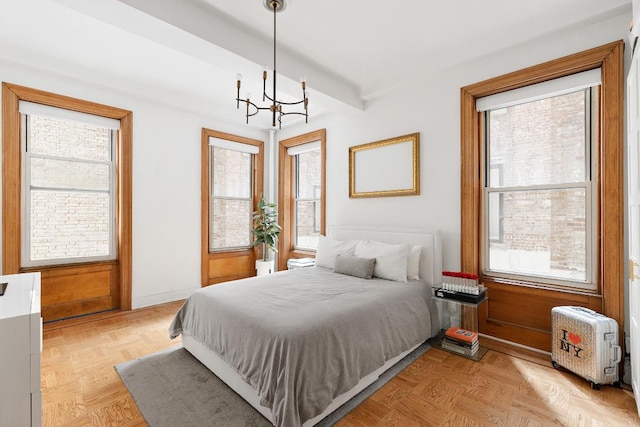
x: 275, y: 106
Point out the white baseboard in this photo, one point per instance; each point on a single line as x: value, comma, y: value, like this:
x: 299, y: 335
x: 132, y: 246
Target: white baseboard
x: 139, y: 302
x: 515, y: 344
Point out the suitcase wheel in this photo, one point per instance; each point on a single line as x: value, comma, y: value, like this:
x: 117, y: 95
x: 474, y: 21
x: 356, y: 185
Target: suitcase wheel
x: 595, y: 386
x: 555, y: 364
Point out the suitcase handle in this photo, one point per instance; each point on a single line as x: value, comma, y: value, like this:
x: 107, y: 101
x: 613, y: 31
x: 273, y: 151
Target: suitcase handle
x: 586, y: 310
x: 618, y: 353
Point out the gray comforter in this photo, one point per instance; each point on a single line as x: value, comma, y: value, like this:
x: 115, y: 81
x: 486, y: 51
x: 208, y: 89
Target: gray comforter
x: 302, y: 337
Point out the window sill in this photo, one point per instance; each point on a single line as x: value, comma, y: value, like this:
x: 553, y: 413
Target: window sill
x: 536, y: 285
x: 32, y: 269
x: 299, y: 253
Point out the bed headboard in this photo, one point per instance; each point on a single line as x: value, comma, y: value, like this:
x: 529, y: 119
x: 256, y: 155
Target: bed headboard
x: 429, y: 239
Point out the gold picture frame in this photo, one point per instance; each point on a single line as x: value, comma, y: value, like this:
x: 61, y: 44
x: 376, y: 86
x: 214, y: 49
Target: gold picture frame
x: 386, y: 168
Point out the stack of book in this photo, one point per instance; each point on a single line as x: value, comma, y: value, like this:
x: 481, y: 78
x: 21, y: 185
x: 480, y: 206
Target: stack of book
x: 460, y: 296
x: 300, y: 263
x: 461, y: 341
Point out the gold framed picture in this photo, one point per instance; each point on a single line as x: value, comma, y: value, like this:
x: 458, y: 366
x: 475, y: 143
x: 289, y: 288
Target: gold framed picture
x: 386, y: 168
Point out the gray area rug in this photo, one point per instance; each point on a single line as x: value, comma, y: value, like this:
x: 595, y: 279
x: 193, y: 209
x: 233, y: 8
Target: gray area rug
x: 172, y: 388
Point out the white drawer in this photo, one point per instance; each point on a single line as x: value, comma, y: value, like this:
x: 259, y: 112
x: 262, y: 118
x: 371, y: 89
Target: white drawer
x: 36, y: 409
x: 35, y: 333
x: 16, y: 412
x: 35, y: 373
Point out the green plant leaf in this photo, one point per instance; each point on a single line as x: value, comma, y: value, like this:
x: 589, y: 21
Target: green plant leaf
x: 265, y: 226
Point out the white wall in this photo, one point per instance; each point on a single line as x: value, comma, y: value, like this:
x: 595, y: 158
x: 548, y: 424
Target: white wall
x: 166, y: 182
x: 166, y: 162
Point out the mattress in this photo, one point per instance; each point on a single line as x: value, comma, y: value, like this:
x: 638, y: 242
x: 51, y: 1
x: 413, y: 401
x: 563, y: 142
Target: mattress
x: 302, y: 337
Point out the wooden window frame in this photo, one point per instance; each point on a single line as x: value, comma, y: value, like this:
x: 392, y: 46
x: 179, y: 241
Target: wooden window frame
x: 610, y: 193
x: 286, y: 193
x: 224, y: 265
x: 12, y: 180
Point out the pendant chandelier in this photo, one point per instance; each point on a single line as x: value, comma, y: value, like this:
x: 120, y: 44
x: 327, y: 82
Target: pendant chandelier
x: 273, y: 105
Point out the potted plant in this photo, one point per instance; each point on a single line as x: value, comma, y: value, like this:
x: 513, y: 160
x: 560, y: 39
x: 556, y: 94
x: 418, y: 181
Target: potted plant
x: 265, y: 231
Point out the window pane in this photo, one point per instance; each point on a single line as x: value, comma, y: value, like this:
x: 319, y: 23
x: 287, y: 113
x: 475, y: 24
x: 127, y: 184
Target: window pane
x: 65, y: 138
x: 543, y: 233
x: 69, y: 225
x: 308, y: 168
x: 66, y: 174
x: 307, y: 224
x: 495, y: 216
x: 231, y: 224
x: 231, y: 172
x: 540, y: 142
x: 307, y: 204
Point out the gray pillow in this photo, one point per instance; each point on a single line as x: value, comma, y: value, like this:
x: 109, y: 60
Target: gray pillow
x: 354, y: 266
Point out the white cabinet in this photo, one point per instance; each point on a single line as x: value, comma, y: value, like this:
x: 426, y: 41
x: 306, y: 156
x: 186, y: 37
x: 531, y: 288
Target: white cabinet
x: 20, y: 347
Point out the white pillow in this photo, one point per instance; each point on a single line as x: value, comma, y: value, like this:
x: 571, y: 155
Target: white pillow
x: 329, y: 249
x: 391, y: 260
x: 413, y: 263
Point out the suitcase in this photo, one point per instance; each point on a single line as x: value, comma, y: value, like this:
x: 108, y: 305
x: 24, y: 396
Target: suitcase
x: 586, y: 343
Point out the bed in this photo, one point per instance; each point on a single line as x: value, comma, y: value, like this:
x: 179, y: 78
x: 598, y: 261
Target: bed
x: 299, y: 343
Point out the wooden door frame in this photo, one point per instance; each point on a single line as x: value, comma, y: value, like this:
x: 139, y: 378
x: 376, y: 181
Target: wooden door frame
x: 610, y: 237
x: 633, y: 212
x: 12, y: 186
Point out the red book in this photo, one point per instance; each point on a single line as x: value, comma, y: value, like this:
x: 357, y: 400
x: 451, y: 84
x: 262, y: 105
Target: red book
x: 462, y: 335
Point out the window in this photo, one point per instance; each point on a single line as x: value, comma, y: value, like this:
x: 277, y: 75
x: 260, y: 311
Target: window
x: 587, y: 183
x: 231, y: 194
x: 68, y: 204
x: 232, y: 171
x: 541, y: 165
x: 308, y: 177
x: 301, y: 195
x: 67, y: 160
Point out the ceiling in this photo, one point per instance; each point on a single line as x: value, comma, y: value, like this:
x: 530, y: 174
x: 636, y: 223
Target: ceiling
x: 186, y: 53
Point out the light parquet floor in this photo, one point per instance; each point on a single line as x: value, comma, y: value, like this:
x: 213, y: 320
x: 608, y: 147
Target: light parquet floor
x: 80, y: 386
